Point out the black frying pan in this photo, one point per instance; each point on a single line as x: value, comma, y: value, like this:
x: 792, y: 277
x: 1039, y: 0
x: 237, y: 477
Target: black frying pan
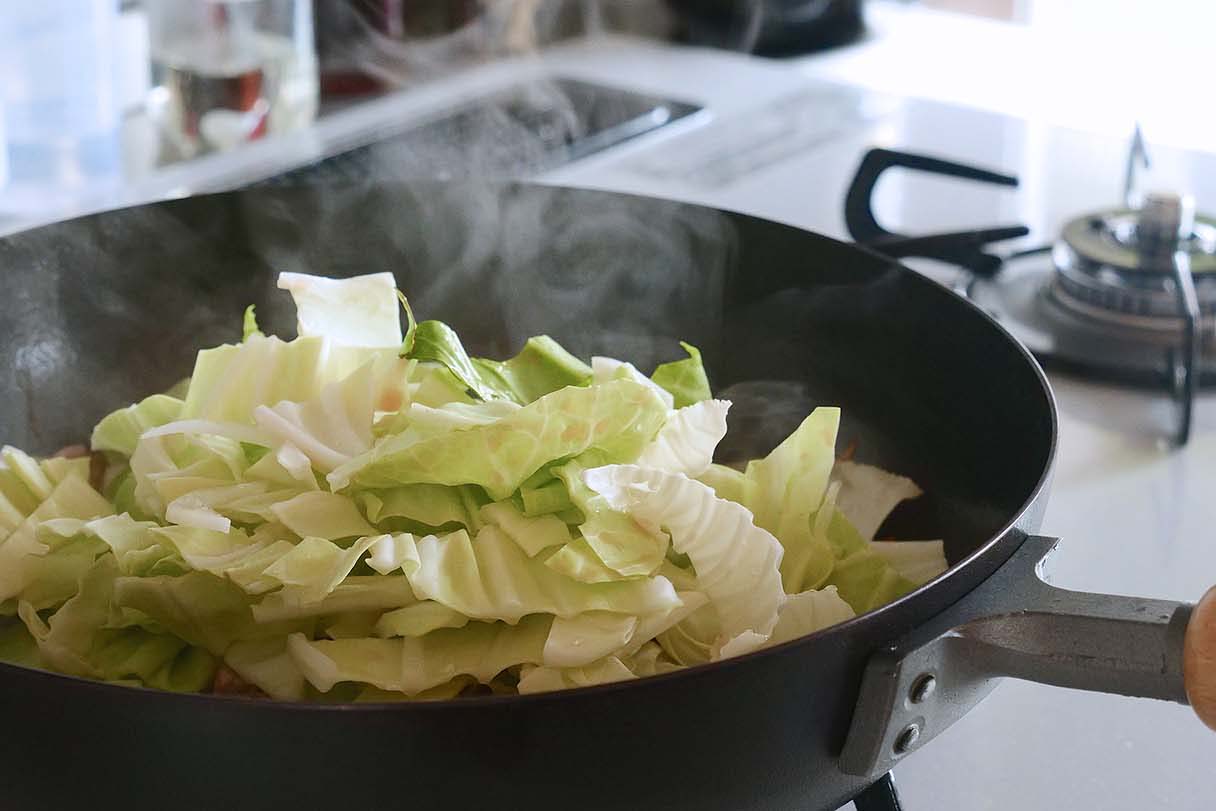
x: 105, y: 309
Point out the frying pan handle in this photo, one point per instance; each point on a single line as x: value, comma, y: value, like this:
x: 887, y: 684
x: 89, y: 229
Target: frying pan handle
x: 1015, y: 624
x: 1199, y: 659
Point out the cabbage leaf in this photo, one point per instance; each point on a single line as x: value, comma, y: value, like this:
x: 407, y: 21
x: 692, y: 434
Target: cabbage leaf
x: 619, y: 418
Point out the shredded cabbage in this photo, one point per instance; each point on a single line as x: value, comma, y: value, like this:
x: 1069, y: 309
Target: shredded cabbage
x: 380, y: 509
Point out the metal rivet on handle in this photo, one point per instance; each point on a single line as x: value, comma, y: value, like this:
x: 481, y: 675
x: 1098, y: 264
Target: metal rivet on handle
x: 907, y: 739
x: 922, y: 688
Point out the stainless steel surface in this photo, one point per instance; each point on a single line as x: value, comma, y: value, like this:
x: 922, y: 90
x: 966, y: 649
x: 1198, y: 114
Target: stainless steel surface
x: 1014, y: 625
x: 1110, y: 238
x: 1117, y: 266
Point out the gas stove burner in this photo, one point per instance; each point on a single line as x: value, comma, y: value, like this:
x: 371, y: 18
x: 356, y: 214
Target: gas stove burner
x: 1129, y: 295
x: 1111, y: 238
x: 1130, y: 298
x: 1026, y: 300
x: 1101, y: 273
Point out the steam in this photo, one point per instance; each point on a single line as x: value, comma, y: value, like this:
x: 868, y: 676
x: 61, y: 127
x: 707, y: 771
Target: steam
x: 603, y: 274
x: 614, y: 275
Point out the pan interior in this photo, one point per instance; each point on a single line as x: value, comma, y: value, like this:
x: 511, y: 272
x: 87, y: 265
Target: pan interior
x: 107, y: 309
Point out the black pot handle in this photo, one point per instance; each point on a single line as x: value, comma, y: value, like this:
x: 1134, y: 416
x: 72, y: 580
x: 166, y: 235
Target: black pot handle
x: 1016, y: 624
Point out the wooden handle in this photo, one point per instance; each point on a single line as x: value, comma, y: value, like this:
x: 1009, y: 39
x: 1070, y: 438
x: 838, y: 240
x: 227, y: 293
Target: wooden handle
x: 1199, y: 659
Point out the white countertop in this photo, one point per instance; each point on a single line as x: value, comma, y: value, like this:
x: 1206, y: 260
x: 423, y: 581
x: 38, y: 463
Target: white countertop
x: 1096, y: 65
x: 1135, y: 518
